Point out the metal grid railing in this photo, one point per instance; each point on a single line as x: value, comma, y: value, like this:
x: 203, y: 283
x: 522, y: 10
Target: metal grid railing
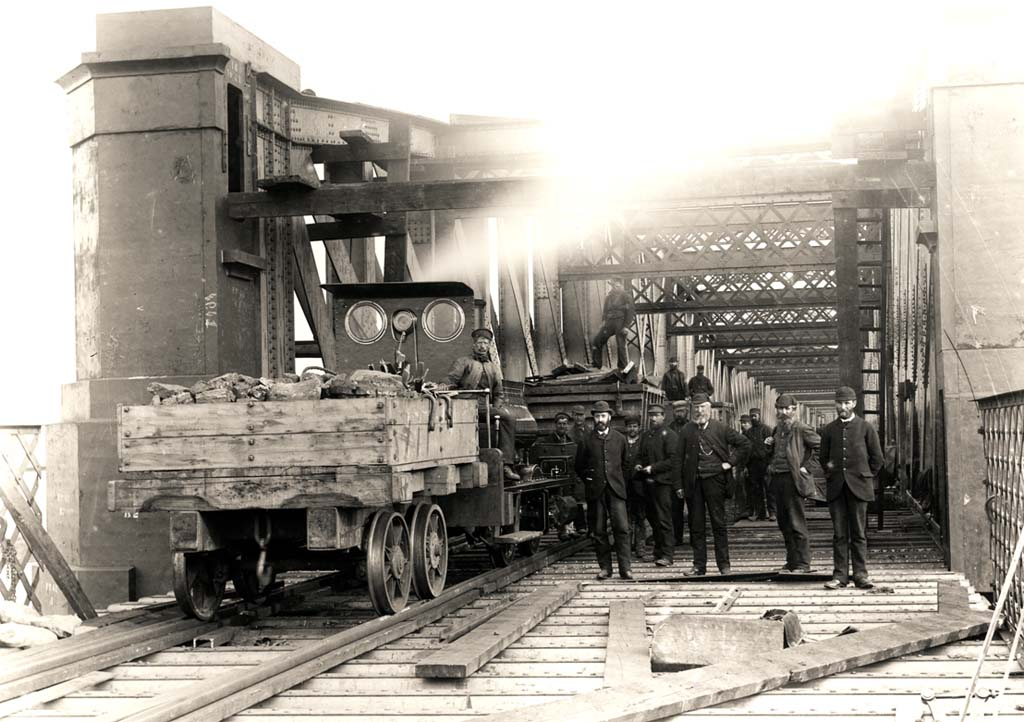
x: 21, y: 456
x: 1003, y: 427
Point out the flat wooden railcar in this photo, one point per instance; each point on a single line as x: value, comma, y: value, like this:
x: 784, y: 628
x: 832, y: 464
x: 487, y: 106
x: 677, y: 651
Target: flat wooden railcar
x: 372, y: 481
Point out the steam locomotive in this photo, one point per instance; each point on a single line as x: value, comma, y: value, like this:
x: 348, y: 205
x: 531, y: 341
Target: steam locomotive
x: 374, y: 481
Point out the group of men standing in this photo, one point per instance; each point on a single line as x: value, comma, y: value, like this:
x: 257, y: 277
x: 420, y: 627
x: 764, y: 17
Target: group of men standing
x: 633, y: 477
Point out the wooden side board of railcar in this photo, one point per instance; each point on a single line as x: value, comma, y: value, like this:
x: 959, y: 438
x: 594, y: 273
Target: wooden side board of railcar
x: 403, y: 433
x: 232, y: 489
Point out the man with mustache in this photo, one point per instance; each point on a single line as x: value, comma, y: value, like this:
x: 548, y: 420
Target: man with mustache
x: 708, y: 451
x: 792, y: 446
x: 661, y: 480
x: 600, y: 461
x: 479, y: 371
x: 851, y: 456
x: 761, y: 500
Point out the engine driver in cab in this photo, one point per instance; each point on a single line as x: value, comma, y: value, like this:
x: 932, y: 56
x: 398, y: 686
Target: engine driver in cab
x: 479, y: 371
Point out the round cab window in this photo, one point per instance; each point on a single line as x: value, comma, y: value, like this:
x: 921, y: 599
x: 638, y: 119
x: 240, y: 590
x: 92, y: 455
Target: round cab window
x: 365, y: 322
x: 443, y: 320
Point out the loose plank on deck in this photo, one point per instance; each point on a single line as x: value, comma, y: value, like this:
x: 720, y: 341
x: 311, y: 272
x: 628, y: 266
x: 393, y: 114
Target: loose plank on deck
x: 471, y: 652
x: 628, y: 652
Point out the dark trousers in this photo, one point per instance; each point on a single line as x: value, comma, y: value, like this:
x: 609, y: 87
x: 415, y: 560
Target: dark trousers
x: 636, y: 505
x: 678, y: 515
x: 708, y: 492
x: 849, y: 535
x: 760, y: 497
x: 660, y: 498
x: 792, y: 521
x: 616, y: 328
x: 506, y: 436
x: 599, y: 511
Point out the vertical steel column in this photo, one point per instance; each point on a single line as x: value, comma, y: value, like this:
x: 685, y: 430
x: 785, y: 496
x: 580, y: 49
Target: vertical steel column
x: 848, y: 301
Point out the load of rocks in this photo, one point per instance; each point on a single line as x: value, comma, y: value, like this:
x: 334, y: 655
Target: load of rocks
x: 311, y: 385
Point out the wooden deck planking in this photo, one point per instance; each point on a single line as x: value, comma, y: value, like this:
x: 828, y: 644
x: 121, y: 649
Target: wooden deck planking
x: 564, y: 654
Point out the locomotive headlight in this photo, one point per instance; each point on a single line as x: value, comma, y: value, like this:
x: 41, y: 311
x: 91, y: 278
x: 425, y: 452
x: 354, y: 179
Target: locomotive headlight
x: 403, y: 321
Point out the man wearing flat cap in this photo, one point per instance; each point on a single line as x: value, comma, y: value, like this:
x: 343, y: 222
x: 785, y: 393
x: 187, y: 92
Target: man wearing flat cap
x: 634, y: 486
x: 851, y: 456
x: 680, y: 418
x: 579, y: 423
x: 761, y: 499
x: 661, y: 481
x: 673, y: 382
x: 600, y: 461
x: 479, y: 372
x: 708, y: 451
x: 791, y: 447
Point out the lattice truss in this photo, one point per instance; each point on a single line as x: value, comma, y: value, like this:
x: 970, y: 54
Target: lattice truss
x: 19, y: 572
x: 705, y: 238
x: 766, y: 338
x: 732, y: 291
x: 808, y: 316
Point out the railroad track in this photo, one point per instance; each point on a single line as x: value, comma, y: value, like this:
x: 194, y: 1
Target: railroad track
x: 42, y: 674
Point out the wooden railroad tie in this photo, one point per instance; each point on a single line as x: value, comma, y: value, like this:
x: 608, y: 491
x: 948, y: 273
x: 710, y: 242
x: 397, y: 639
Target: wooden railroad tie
x: 471, y: 652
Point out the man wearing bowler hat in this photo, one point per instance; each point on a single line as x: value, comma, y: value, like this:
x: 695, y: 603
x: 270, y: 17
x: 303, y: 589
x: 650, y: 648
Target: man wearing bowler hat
x: 600, y: 461
x: 708, y: 451
x: 851, y: 456
x: 792, y: 446
x: 476, y: 372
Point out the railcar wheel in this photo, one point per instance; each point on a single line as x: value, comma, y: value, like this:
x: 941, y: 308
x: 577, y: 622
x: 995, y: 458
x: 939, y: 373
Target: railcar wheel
x: 388, y: 567
x: 501, y: 554
x: 199, y: 581
x: 529, y: 548
x: 429, y: 551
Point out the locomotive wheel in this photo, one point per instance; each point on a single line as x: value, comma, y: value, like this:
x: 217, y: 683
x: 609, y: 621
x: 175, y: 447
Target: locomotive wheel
x: 199, y: 581
x: 501, y: 554
x: 429, y: 550
x: 246, y: 581
x: 388, y: 567
x: 529, y: 548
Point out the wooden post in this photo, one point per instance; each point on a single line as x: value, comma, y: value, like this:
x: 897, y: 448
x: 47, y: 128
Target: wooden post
x: 42, y: 546
x: 396, y: 246
x: 848, y: 301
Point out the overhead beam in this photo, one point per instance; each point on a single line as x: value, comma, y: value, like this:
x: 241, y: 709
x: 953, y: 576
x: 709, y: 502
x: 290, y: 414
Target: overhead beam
x: 758, y: 340
x: 742, y: 300
x: 682, y: 329
x: 357, y: 226
x: 788, y: 353
x: 550, y: 192
x: 703, y: 262
x: 363, y: 152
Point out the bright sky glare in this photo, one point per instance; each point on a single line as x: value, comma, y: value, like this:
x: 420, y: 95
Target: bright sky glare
x: 623, y: 86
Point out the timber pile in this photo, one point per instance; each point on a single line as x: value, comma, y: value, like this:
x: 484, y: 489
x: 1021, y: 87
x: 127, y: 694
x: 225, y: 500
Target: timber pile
x: 310, y: 386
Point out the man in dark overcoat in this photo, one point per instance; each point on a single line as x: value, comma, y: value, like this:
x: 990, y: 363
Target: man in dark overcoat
x: 617, y: 315
x: 792, y: 445
x: 635, y: 506
x: 851, y: 456
x: 599, y: 461
x: 673, y: 381
x: 680, y: 418
x: 700, y: 384
x: 761, y: 499
x: 708, y: 451
x: 662, y: 482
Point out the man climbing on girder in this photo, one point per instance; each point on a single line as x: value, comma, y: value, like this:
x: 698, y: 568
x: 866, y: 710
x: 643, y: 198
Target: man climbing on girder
x: 618, y: 314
